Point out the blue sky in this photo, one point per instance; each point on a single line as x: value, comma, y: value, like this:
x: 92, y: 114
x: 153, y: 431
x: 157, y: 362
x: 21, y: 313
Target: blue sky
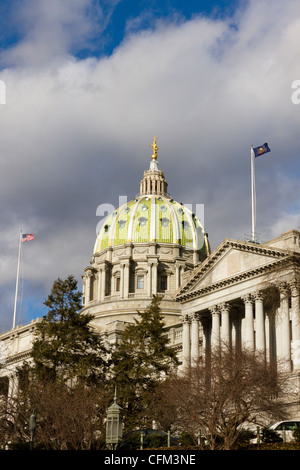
x: 116, y: 18
x: 88, y: 83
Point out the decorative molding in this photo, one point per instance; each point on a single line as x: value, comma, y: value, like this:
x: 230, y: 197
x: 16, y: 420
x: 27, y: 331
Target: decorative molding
x: 180, y: 295
x: 185, y: 319
x: 238, y: 245
x: 18, y: 357
x: 247, y: 299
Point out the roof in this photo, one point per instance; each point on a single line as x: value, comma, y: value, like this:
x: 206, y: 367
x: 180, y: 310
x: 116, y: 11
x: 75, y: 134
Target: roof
x: 152, y: 218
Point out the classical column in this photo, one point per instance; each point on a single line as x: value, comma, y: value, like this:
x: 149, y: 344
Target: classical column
x: 150, y: 279
x: 121, y: 290
x: 260, y: 322
x: 177, y: 276
x: 103, y: 281
x: 295, y: 324
x: 215, y: 329
x: 88, y: 277
x: 249, y: 322
x: 236, y: 334
x: 225, y: 324
x: 186, y: 346
x: 99, y: 285
x: 13, y: 385
x: 126, y: 279
x: 195, y: 338
x: 83, y: 291
x: 285, y: 325
x: 154, y: 278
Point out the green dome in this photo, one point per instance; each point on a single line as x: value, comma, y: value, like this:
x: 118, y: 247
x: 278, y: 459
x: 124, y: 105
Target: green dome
x: 152, y: 218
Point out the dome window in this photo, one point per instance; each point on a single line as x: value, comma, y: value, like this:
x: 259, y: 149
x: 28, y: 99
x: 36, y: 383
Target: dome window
x: 127, y: 210
x: 163, y: 208
x: 144, y: 208
x: 106, y: 227
x: 185, y: 225
x: 165, y: 222
x: 122, y: 223
x: 142, y: 221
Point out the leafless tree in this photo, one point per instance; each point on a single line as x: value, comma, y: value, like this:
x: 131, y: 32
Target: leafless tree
x: 67, y: 417
x: 220, y: 395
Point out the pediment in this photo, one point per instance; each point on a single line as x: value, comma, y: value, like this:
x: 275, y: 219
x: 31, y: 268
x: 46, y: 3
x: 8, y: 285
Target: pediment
x: 231, y: 260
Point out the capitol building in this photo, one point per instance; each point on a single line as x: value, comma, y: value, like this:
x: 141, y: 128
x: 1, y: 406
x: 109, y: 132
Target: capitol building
x: 242, y: 294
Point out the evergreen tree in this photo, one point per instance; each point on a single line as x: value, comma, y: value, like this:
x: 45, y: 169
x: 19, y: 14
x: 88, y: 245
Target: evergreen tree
x: 141, y: 360
x: 65, y: 345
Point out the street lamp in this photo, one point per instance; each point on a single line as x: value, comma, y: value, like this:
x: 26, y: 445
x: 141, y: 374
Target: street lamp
x: 114, y: 424
x: 32, y: 426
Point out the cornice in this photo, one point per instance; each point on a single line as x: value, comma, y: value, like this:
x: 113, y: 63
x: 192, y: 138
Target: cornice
x: 17, y: 357
x: 283, y: 257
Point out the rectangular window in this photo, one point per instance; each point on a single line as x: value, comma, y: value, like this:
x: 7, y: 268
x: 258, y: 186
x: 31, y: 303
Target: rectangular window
x: 163, y: 283
x: 118, y: 283
x: 140, y: 282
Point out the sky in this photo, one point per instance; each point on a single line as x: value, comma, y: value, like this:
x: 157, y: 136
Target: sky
x: 84, y: 87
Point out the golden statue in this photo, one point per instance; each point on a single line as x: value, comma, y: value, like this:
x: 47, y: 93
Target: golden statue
x: 155, y: 148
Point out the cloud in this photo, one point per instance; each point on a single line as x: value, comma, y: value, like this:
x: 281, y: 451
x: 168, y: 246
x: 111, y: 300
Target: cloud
x: 75, y: 132
x: 51, y: 33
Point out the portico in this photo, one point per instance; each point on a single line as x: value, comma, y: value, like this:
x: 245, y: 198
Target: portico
x: 256, y: 309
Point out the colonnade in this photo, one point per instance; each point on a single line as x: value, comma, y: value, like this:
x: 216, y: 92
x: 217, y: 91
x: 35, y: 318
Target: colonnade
x: 96, y: 281
x: 246, y: 323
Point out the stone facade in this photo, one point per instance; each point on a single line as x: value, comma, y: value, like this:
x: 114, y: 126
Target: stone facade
x: 243, y: 294
x: 246, y: 295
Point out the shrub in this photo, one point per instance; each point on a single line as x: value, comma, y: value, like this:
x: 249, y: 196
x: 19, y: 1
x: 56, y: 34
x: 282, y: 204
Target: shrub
x: 187, y: 439
x: 296, y: 435
x: 269, y: 435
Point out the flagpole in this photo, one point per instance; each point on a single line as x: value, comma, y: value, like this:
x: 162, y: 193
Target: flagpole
x: 253, y: 195
x: 17, y: 282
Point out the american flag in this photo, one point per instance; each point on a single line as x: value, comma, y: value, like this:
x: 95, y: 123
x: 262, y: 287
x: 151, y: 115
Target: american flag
x: 27, y: 237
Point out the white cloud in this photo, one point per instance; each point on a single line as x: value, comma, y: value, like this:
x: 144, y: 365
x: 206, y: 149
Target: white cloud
x: 75, y: 133
x: 51, y: 31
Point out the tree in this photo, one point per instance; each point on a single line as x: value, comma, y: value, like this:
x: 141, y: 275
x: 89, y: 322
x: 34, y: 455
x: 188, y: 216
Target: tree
x: 67, y: 418
x: 65, y: 345
x: 140, y: 361
x: 220, y: 395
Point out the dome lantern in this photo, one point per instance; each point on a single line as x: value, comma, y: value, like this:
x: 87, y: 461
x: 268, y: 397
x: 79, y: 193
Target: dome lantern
x: 153, y: 181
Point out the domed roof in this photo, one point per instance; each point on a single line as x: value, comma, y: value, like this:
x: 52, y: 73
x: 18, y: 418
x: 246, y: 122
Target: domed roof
x: 153, y: 216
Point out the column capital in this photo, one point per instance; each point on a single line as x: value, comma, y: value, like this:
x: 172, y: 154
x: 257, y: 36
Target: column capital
x: 89, y: 272
x: 284, y: 289
x: 294, y: 286
x: 247, y: 298
x: 214, y: 309
x: 259, y: 295
x: 185, y: 318
x: 224, y: 307
x: 195, y: 316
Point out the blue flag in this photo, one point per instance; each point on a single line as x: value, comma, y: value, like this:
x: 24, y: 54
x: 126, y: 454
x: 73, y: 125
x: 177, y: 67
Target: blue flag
x: 258, y: 151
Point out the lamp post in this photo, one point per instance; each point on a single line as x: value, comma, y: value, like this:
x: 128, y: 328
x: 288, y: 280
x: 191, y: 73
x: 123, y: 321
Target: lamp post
x: 114, y: 424
x: 32, y: 426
